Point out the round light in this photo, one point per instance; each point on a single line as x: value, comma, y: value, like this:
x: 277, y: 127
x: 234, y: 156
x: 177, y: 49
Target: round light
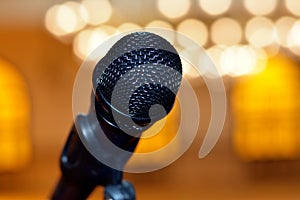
x: 215, y: 53
x: 99, y: 11
x: 293, y: 38
x: 173, y: 10
x: 159, y: 24
x: 158, y: 27
x: 195, y: 30
x: 226, y: 31
x: 238, y: 60
x: 203, y: 61
x: 88, y: 40
x: 128, y: 26
x: 65, y: 19
x: 258, y: 7
x: 283, y: 26
x: 293, y: 6
x: 260, y: 32
x: 215, y: 7
x: 294, y: 34
x: 50, y: 21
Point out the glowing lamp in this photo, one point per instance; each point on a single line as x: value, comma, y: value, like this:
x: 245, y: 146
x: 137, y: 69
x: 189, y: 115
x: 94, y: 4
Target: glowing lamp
x: 266, y: 110
x: 15, y: 146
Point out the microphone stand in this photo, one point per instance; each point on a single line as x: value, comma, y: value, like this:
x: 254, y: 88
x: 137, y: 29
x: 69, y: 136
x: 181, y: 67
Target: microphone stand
x: 82, y: 172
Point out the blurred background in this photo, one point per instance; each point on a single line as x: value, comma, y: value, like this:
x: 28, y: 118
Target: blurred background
x: 254, y: 44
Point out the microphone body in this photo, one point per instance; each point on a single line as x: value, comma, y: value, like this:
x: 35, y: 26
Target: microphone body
x: 81, y: 170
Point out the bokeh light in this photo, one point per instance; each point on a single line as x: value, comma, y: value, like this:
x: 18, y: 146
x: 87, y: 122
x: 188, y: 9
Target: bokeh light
x: 158, y: 27
x: 238, y: 60
x: 203, y: 61
x: 266, y: 107
x: 226, y: 31
x: 294, y: 39
x: 99, y: 11
x: 88, y: 40
x: 283, y: 26
x: 172, y: 9
x: 294, y: 34
x: 66, y: 18
x: 215, y: 7
x: 159, y: 24
x: 128, y: 26
x: 260, y: 32
x: 195, y: 30
x: 259, y: 7
x: 215, y: 53
x: 293, y: 6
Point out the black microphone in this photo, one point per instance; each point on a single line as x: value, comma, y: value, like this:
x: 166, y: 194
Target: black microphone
x: 140, y: 71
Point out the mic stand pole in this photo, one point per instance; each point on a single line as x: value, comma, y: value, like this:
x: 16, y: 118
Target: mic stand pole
x: 82, y: 172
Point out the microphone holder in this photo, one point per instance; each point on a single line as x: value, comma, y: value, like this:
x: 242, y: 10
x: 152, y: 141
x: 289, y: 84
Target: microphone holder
x: 82, y: 172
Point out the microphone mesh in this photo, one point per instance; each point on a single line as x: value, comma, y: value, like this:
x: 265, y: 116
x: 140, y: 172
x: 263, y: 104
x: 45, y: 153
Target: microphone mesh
x: 147, y: 66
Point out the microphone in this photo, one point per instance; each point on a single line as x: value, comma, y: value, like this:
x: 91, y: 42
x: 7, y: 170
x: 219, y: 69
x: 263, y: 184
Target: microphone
x: 134, y: 85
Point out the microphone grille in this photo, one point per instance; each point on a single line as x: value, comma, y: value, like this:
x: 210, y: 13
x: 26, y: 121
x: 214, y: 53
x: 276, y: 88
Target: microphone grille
x: 148, y: 68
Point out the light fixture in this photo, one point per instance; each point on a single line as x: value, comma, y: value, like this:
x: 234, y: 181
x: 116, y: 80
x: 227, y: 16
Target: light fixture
x: 266, y: 111
x: 15, y: 144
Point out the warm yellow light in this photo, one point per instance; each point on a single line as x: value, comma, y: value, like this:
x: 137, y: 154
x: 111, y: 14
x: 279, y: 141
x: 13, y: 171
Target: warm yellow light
x: 238, y: 60
x: 226, y: 31
x: 215, y: 7
x: 159, y: 24
x: 260, y: 32
x: 283, y: 26
x: 15, y: 145
x: 293, y: 6
x: 266, y: 111
x: 172, y: 9
x: 159, y: 27
x: 258, y: 7
x: 51, y: 22
x: 293, y: 38
x: 195, y: 30
x: 215, y: 53
x: 128, y: 26
x: 88, y: 40
x: 98, y: 11
x: 65, y: 19
x: 294, y: 34
x: 200, y: 63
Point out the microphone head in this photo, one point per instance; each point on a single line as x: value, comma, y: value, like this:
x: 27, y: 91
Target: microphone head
x: 140, y: 70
